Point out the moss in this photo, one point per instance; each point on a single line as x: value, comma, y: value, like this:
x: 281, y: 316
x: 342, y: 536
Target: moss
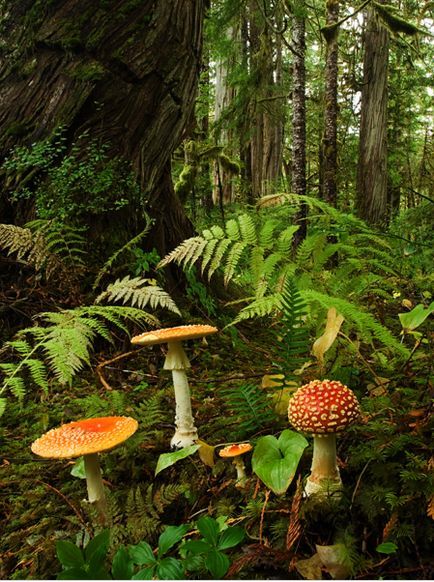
x: 19, y: 128
x: 91, y: 71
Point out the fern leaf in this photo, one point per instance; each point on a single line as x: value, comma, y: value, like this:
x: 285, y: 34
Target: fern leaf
x: 182, y: 251
x: 3, y: 402
x: 247, y: 229
x: 233, y: 230
x: 218, y: 256
x: 138, y: 292
x: 232, y: 260
x: 38, y: 373
x: 251, y: 407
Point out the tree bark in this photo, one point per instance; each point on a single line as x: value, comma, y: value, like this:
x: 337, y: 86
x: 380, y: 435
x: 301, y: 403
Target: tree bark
x: 299, y: 122
x: 126, y: 72
x: 329, y: 141
x: 372, y: 162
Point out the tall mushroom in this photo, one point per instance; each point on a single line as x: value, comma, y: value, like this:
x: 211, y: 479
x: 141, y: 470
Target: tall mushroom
x: 177, y: 361
x: 323, y: 408
x: 88, y: 438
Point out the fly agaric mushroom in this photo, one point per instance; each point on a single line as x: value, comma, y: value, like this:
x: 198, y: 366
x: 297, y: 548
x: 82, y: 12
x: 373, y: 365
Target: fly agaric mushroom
x: 323, y: 408
x: 87, y: 438
x: 235, y: 452
x: 177, y: 361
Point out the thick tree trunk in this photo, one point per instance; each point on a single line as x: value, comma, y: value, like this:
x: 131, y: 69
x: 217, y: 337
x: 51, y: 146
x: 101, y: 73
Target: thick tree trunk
x: 299, y: 122
x: 125, y: 72
x: 329, y: 141
x: 372, y: 163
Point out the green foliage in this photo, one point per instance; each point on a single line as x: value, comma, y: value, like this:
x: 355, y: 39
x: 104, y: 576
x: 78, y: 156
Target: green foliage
x: 249, y: 407
x: 47, y: 246
x: 141, y: 562
x: 292, y: 343
x: 138, y: 292
x: 62, y: 346
x: 275, y: 461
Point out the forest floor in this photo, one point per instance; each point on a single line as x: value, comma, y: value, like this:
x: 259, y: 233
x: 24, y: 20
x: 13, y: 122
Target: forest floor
x: 382, y: 527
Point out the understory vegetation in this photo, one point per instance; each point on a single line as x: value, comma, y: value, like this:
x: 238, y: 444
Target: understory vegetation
x: 66, y: 355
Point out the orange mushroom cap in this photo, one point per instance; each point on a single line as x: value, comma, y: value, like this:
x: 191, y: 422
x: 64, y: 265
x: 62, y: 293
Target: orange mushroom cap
x: 235, y: 450
x: 323, y: 407
x: 84, y: 437
x: 172, y: 334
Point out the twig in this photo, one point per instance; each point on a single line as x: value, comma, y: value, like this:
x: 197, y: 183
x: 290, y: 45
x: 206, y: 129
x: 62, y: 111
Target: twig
x: 358, y: 483
x: 111, y: 361
x: 74, y: 509
x: 261, y: 525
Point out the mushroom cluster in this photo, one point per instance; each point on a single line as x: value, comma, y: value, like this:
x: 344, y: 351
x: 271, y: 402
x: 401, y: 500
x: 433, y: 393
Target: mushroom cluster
x: 177, y: 361
x: 323, y: 408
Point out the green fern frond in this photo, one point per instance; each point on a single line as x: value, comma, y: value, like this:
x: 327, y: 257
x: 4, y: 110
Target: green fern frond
x: 232, y: 260
x: 250, y: 406
x: 216, y: 261
x: 138, y: 292
x: 166, y: 494
x: 365, y: 322
x: 179, y: 254
x: 38, y: 373
x: 248, y: 229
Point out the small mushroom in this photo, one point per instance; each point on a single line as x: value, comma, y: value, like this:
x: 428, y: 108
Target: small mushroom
x: 87, y: 438
x: 177, y: 361
x: 235, y: 452
x: 323, y: 408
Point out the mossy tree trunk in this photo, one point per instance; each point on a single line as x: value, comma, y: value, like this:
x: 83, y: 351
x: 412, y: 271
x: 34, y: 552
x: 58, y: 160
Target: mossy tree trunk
x: 125, y: 71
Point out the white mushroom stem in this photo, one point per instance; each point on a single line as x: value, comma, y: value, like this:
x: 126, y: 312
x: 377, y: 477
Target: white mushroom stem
x: 95, y: 487
x: 241, y: 469
x: 177, y: 361
x: 324, y: 478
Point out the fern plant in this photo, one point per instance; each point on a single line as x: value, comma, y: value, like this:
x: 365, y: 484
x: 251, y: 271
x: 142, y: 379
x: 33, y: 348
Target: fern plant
x: 45, y: 245
x: 255, y: 252
x: 138, y: 292
x: 249, y: 404
x: 61, y: 346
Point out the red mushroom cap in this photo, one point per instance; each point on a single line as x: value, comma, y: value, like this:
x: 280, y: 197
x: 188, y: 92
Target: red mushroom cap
x: 323, y: 407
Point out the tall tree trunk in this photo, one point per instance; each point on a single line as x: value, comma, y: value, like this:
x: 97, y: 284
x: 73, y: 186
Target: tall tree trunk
x: 329, y: 141
x: 224, y: 95
x: 125, y: 72
x: 372, y: 162
x: 299, y: 122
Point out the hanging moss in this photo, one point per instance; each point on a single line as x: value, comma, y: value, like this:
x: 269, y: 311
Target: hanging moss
x: 393, y: 22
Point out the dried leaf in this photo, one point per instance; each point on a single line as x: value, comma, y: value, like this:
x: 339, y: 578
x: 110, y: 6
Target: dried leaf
x: 281, y: 399
x: 206, y: 453
x: 310, y: 568
x: 272, y: 380
x: 335, y: 559
x: 323, y: 343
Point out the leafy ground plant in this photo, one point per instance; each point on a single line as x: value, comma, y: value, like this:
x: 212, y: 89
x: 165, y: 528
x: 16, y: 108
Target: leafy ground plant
x: 141, y: 562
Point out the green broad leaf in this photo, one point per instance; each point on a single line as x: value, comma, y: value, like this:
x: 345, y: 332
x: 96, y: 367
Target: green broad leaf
x: 209, y: 529
x: 122, y: 566
x: 78, y: 469
x: 231, y: 537
x: 69, y: 555
x: 170, y: 569
x: 195, y: 547
x: 142, y: 554
x: 168, y: 459
x: 96, y: 550
x: 275, y: 461
x: 387, y: 548
x: 415, y: 317
x: 145, y: 574
x: 170, y: 536
x: 73, y: 574
x: 217, y: 564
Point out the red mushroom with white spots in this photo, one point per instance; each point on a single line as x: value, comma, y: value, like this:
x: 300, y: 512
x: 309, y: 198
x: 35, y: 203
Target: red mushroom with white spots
x: 323, y: 408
